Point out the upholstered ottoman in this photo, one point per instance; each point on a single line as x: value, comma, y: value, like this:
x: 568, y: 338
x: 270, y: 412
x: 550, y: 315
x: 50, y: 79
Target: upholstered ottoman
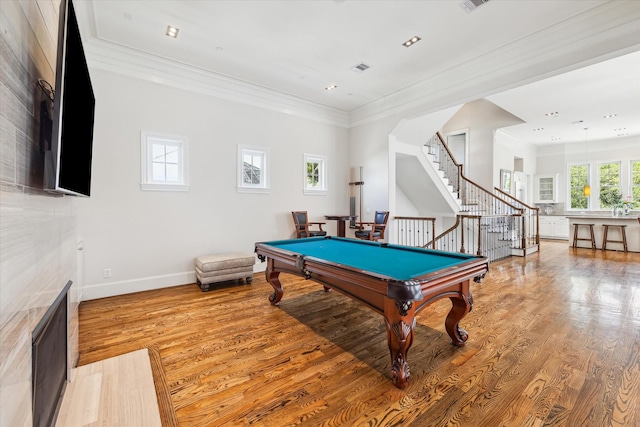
x: 222, y: 267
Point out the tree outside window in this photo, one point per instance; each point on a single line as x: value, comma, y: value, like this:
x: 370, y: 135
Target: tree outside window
x: 635, y: 184
x: 579, y: 178
x: 315, y: 179
x: 610, y: 194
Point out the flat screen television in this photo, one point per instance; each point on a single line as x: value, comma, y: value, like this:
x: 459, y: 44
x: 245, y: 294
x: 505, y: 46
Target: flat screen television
x: 68, y: 162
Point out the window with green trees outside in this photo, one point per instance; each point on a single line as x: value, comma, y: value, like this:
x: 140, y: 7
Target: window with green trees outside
x: 610, y: 194
x: 635, y: 184
x: 579, y: 174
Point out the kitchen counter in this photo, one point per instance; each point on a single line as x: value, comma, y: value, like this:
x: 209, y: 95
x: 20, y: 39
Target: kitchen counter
x: 604, y: 217
x: 632, y: 230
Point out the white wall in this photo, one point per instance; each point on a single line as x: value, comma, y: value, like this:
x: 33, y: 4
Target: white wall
x: 506, y: 149
x: 149, y: 239
x: 369, y: 148
x: 482, y: 118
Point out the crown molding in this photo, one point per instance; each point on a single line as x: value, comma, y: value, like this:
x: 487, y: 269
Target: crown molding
x: 142, y: 65
x: 604, y: 32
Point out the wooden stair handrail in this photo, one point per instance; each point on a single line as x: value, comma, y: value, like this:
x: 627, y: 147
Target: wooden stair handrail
x: 461, y: 174
x: 513, y: 198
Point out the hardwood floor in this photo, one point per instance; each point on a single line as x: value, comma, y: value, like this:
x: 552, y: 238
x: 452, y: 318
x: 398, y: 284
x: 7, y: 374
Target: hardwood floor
x: 554, y: 341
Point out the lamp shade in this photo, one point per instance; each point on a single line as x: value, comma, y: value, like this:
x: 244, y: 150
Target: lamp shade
x: 587, y: 190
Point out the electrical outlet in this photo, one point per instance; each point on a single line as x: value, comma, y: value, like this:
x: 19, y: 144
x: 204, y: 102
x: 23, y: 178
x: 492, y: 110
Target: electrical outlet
x: 107, y: 273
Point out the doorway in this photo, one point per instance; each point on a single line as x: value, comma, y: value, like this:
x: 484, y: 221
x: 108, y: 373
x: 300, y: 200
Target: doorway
x: 458, y: 144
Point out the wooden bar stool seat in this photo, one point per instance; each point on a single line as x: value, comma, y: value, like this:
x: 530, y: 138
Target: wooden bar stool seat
x: 591, y: 239
x: 606, y: 239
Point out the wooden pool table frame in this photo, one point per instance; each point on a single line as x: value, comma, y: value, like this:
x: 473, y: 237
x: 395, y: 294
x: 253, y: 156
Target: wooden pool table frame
x: 398, y: 301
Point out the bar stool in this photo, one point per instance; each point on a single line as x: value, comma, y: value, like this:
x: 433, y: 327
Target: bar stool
x: 592, y: 239
x: 623, y: 235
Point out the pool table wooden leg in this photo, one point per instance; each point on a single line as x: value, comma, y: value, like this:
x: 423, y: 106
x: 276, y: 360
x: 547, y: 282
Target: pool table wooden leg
x: 461, y: 305
x: 273, y: 278
x: 400, y: 320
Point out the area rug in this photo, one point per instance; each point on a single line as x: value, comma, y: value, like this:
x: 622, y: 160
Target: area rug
x: 167, y: 414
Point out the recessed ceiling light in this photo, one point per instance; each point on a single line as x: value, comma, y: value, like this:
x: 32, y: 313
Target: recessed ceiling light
x: 172, y: 31
x: 331, y: 87
x: 608, y: 116
x: 413, y: 40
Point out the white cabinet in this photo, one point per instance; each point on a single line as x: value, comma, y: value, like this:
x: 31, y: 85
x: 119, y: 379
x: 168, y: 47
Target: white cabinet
x: 560, y: 227
x: 554, y: 227
x: 546, y: 188
x: 544, y: 224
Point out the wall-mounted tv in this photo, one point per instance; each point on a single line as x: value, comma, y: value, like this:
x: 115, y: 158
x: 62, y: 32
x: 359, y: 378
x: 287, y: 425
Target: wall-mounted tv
x: 68, y: 163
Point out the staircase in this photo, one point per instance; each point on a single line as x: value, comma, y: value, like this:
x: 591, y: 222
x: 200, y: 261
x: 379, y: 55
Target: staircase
x: 491, y: 224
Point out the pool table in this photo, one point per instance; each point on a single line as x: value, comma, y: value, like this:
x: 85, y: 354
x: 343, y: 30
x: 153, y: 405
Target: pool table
x: 395, y: 281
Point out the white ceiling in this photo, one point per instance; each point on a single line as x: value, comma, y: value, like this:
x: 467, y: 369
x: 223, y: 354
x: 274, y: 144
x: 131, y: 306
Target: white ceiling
x: 300, y: 47
x: 583, y: 100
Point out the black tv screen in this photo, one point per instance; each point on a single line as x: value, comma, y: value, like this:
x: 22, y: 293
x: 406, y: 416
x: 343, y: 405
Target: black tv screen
x: 68, y: 167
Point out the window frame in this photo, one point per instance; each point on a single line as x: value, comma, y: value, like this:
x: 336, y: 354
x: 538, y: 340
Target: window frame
x: 263, y: 185
x: 322, y: 188
x: 147, y: 182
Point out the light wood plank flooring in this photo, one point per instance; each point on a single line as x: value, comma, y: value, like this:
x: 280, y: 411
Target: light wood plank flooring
x: 554, y: 341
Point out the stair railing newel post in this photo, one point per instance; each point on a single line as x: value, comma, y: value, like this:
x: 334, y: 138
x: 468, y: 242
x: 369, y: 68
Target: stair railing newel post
x: 479, y: 237
x: 462, y: 250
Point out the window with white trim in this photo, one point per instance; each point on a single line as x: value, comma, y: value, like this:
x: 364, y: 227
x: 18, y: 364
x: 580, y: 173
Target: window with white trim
x: 315, y: 176
x: 164, y: 162
x: 253, y: 169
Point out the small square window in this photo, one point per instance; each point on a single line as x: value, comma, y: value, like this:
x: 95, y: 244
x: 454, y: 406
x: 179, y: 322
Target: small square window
x: 163, y: 162
x: 253, y: 169
x: 315, y: 176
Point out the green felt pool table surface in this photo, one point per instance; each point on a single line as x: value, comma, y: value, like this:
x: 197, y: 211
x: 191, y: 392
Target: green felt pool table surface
x: 400, y: 262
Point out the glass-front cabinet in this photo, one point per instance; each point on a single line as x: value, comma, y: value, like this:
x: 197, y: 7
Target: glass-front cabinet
x: 546, y: 188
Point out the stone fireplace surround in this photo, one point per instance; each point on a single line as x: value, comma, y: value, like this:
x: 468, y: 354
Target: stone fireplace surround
x: 38, y: 232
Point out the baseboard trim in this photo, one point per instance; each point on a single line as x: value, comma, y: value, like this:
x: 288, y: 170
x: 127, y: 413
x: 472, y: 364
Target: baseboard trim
x: 103, y: 290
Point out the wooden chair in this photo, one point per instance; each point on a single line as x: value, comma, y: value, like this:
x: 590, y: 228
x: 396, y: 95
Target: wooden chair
x: 302, y: 224
x: 378, y: 227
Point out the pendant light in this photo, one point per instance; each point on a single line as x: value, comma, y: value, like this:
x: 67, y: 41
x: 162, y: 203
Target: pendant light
x: 587, y: 188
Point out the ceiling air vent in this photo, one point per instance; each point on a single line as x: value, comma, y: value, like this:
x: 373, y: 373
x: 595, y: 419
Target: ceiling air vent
x: 470, y: 5
x: 360, y: 68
